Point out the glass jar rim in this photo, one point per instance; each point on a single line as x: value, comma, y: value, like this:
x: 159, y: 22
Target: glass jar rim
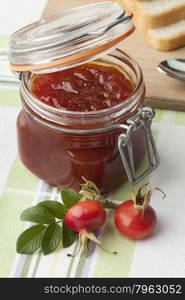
x: 26, y: 90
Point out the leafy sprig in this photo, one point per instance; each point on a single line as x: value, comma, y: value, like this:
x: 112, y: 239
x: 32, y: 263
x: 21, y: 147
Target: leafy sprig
x: 51, y: 230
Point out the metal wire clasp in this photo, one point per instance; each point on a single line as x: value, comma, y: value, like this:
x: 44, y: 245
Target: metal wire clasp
x: 141, y: 120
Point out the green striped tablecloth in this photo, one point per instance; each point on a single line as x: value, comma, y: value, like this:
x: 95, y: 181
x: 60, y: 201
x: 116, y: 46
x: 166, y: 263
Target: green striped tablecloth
x: 161, y: 255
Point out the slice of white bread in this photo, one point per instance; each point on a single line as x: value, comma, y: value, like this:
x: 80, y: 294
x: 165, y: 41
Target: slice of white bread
x: 156, y: 13
x: 166, y: 38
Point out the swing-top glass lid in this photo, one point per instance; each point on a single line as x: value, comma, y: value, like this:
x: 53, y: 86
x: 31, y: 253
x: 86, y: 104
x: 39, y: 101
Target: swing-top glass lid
x: 69, y: 38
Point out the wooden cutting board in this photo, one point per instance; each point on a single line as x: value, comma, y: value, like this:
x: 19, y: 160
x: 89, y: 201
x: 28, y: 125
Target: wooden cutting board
x: 162, y: 91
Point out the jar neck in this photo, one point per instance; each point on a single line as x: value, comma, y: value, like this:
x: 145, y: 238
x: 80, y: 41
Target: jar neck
x: 89, y: 120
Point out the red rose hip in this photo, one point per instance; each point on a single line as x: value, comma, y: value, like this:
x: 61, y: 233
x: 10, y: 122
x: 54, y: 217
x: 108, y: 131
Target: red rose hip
x: 88, y: 215
x: 133, y: 222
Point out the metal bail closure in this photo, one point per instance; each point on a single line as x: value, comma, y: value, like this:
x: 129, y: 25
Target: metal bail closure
x: 141, y: 120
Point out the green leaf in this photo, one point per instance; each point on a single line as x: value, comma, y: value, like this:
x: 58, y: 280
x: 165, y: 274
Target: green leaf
x: 37, y: 214
x: 51, y: 238
x: 30, y: 239
x: 68, y: 236
x: 70, y: 197
x: 57, y: 209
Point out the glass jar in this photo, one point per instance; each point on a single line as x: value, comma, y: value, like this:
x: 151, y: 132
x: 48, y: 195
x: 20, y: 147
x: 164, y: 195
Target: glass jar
x: 61, y: 146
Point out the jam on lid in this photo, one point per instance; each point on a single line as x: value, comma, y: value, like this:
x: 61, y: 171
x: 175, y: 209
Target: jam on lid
x: 69, y: 38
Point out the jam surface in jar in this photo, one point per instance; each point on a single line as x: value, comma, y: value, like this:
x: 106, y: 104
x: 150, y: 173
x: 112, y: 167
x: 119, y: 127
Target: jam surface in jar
x: 89, y: 87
